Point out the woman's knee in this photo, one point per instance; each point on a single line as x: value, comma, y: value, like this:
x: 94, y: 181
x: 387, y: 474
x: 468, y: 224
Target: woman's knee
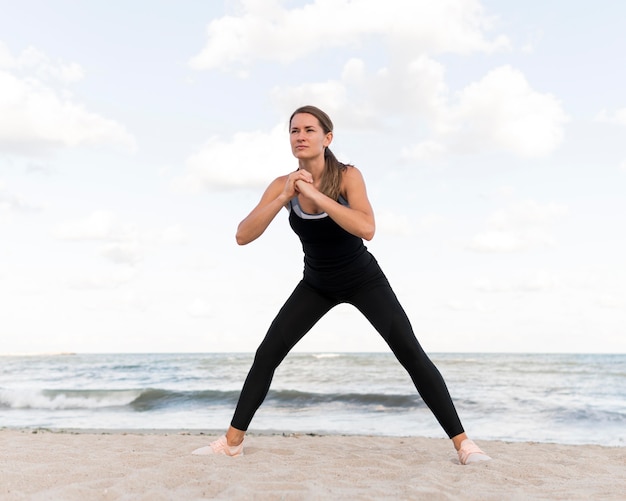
x: 270, y: 354
x: 407, y: 348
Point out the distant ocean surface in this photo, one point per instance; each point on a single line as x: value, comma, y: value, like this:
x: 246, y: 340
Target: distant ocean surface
x: 568, y: 399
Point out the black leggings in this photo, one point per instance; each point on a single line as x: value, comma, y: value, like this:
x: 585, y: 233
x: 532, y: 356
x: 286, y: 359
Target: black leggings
x: 380, y: 306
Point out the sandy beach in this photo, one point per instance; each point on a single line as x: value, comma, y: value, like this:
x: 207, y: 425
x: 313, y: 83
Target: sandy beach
x: 94, y: 465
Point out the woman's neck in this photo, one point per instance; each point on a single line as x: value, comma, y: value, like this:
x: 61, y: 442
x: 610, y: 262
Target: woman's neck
x: 315, y: 166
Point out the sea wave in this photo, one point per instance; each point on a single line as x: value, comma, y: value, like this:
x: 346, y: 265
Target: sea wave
x: 65, y: 399
x: 590, y: 415
x: 294, y: 398
x: 150, y: 399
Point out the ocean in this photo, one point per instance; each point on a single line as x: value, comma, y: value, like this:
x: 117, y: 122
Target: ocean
x: 562, y: 398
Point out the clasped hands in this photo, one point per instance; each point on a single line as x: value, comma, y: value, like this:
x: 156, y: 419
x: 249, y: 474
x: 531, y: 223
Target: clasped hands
x: 301, y: 181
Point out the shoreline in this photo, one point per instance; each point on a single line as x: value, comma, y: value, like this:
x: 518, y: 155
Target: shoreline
x: 72, y: 464
x: 209, y: 432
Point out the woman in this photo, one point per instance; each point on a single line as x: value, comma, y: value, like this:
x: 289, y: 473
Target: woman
x: 330, y: 212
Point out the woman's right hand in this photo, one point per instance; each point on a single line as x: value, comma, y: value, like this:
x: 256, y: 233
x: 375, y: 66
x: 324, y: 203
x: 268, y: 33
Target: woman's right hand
x: 290, y: 190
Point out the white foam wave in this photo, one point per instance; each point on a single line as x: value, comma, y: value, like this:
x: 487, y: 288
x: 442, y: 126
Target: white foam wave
x: 71, y: 399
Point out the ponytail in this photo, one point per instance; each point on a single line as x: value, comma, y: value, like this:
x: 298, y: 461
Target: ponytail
x: 330, y: 184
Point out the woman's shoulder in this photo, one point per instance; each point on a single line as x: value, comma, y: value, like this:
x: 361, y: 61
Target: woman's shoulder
x: 352, y: 175
x: 352, y: 183
x: 280, y: 179
x: 278, y: 183
x: 274, y: 188
x: 352, y: 170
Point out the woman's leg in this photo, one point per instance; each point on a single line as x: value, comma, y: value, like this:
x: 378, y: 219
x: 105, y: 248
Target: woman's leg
x: 302, y: 310
x: 381, y: 307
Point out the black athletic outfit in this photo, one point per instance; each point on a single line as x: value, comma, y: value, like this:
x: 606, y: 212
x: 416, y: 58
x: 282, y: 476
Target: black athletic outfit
x: 338, y: 268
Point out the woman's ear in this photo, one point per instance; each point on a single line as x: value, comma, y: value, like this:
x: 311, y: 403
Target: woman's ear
x: 328, y: 139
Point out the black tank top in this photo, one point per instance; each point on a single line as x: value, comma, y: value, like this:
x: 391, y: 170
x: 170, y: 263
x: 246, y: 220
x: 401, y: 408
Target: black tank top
x: 334, y: 259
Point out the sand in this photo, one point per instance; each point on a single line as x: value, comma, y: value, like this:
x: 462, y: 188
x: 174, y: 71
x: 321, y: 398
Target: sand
x: 100, y: 465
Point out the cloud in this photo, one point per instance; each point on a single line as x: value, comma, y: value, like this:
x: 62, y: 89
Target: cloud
x: 469, y: 306
x: 199, y: 308
x: 40, y: 65
x: 112, y: 279
x: 532, y: 282
x: 99, y: 225
x: 127, y: 300
x: 122, y: 240
x: 528, y: 213
x: 611, y: 301
x: 174, y: 235
x: 331, y: 96
x: 414, y: 87
x: 14, y: 203
x: 393, y: 223
x: 123, y: 243
x: 365, y: 99
x: 106, y: 226
x: 123, y: 253
x: 502, y: 111
x: 520, y: 226
x: 533, y: 40
x: 507, y: 241
x: 39, y: 113
x: 247, y: 159
x: 266, y: 31
x: 618, y: 117
x: 38, y: 168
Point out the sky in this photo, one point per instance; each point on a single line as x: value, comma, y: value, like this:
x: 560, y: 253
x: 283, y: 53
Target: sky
x: 134, y: 136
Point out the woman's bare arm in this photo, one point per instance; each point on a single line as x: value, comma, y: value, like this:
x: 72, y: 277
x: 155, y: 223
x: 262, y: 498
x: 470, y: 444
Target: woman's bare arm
x: 276, y: 196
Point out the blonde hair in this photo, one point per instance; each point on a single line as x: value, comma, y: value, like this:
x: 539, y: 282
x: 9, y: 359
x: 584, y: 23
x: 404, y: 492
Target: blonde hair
x: 330, y: 184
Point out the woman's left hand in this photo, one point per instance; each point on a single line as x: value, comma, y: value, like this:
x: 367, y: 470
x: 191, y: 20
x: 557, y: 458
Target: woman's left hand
x: 308, y: 190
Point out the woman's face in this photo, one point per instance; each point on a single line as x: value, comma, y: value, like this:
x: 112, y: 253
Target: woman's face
x: 307, y: 136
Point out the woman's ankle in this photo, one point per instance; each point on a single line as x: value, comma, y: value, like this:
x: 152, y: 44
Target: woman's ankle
x: 234, y: 437
x: 458, y: 439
